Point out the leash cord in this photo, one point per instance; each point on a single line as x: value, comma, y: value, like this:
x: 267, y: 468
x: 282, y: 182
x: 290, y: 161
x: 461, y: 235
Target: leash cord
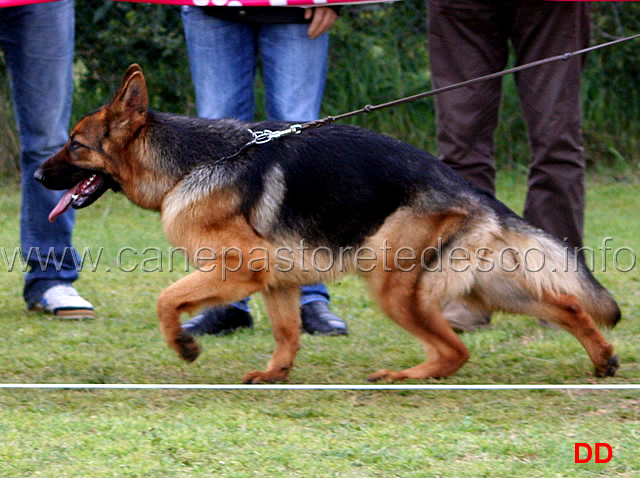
x: 444, y: 89
x: 265, y: 136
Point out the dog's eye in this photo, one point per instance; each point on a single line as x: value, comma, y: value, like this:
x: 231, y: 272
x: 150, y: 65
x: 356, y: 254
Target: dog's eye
x: 74, y: 145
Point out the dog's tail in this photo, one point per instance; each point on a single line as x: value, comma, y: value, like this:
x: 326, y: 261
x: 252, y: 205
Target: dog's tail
x: 565, y: 272
x: 596, y: 300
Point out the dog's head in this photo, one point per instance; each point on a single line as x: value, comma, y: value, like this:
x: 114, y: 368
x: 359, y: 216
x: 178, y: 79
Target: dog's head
x: 94, y: 158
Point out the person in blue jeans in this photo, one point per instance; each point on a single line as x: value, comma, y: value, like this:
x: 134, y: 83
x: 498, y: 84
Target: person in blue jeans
x: 37, y: 41
x: 223, y: 45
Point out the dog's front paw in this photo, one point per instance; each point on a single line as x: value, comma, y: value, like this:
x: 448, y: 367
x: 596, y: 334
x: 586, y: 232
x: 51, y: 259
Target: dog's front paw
x: 186, y: 346
x: 265, y: 376
x: 609, y: 369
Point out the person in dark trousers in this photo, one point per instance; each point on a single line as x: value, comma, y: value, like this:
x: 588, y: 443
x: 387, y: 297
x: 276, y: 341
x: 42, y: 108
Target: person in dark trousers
x: 470, y: 38
x: 224, y: 44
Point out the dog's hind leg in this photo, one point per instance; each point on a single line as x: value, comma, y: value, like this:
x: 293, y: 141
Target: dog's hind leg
x: 284, y: 313
x: 400, y: 298
x: 191, y: 293
x: 566, y: 311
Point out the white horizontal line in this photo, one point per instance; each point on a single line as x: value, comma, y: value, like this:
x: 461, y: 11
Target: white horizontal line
x: 195, y: 386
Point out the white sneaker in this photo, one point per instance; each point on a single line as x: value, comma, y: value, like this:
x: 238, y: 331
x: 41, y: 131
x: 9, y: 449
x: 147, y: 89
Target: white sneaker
x: 64, y: 302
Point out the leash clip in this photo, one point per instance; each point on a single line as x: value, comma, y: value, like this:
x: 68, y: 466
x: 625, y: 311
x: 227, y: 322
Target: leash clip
x: 261, y: 137
x: 264, y: 136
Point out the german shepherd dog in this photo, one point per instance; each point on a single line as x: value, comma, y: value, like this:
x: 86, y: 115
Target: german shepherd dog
x: 312, y: 206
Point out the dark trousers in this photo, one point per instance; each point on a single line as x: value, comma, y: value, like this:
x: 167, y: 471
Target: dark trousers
x: 470, y: 38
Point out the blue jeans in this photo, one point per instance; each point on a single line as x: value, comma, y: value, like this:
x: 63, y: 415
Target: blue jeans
x: 37, y: 41
x: 223, y: 55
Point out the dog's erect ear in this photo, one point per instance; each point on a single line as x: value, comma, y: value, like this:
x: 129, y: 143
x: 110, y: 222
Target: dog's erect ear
x: 130, y: 71
x: 131, y: 102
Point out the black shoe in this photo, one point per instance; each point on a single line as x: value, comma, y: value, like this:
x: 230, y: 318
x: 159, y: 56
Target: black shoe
x: 318, y: 319
x: 218, y: 321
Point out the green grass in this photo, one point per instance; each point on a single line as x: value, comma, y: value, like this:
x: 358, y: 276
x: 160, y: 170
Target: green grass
x: 111, y: 433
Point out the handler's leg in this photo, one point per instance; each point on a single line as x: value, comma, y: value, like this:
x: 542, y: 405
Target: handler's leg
x: 551, y: 103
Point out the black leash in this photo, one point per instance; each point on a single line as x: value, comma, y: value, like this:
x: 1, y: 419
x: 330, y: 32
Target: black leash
x: 261, y: 137
x: 444, y: 89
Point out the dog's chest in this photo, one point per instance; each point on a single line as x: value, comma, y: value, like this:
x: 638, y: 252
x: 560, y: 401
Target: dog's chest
x: 191, y: 219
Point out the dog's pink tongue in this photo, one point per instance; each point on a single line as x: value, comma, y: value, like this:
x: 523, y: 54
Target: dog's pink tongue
x: 64, y: 203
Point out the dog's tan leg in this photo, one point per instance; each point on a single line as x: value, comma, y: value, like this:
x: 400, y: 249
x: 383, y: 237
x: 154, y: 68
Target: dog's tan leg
x: 446, y: 353
x: 566, y: 311
x: 192, y: 292
x: 283, y: 309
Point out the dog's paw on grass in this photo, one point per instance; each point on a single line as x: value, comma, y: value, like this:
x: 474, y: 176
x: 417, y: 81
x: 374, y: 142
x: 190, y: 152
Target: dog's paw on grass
x: 265, y: 376
x: 187, y: 346
x: 610, y: 368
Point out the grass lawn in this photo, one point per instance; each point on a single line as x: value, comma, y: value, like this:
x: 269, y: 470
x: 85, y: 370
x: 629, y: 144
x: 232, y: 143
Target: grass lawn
x: 113, y: 433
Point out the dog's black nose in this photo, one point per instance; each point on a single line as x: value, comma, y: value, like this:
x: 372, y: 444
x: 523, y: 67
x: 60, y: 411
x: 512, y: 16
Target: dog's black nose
x: 39, y: 175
